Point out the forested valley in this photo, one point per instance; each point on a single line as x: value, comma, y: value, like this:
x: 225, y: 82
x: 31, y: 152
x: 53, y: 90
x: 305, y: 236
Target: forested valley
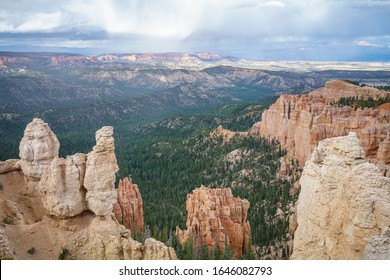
x: 171, y: 157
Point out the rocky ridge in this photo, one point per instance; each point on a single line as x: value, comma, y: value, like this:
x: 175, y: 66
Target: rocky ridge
x: 343, y: 209
x: 299, y: 122
x: 63, y: 207
x: 226, y: 134
x: 214, y: 217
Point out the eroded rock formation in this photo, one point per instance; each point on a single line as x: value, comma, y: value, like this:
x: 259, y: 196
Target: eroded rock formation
x: 62, y: 186
x: 129, y: 208
x: 38, y: 147
x: 213, y: 215
x: 227, y: 135
x: 343, y: 208
x: 101, y: 168
x: 82, y: 182
x: 77, y: 193
x: 299, y: 122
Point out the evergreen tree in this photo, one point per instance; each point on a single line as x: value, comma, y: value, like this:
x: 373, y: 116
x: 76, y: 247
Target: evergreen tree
x: 187, y: 251
x: 216, y: 253
x: 228, y: 255
x: 205, y: 252
x: 248, y: 252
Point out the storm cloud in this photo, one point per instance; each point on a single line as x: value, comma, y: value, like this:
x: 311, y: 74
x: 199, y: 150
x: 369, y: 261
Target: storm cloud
x: 262, y: 29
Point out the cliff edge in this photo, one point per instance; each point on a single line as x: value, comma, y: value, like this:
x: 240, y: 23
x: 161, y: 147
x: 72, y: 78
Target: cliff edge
x: 300, y: 121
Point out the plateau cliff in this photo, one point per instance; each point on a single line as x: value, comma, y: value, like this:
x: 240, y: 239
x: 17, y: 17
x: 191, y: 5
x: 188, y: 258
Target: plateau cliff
x: 343, y: 209
x: 63, y: 208
x: 214, y: 217
x: 299, y: 122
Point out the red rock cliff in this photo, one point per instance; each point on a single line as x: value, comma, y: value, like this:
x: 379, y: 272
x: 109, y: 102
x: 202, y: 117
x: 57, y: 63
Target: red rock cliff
x: 214, y: 214
x: 129, y: 208
x: 299, y: 122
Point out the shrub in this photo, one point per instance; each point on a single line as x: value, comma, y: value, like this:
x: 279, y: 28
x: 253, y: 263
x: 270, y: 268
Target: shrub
x: 8, y: 221
x: 31, y: 251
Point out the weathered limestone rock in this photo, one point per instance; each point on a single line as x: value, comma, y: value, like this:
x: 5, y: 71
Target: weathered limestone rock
x: 5, y: 250
x: 62, y: 186
x: 129, y: 208
x: 343, y: 203
x: 156, y: 250
x: 65, y: 189
x: 13, y: 215
x: 83, y: 237
x: 152, y: 250
x: 101, y: 167
x: 38, y: 147
x: 299, y: 122
x: 378, y: 247
x: 9, y: 166
x: 213, y: 215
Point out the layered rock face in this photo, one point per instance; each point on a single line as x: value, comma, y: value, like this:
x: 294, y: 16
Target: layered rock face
x: 78, y: 195
x: 129, y: 208
x: 299, y: 122
x: 343, y: 209
x: 213, y: 215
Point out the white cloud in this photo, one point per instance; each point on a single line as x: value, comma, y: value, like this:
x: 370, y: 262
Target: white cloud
x: 364, y: 44
x: 277, y: 4
x: 40, y: 22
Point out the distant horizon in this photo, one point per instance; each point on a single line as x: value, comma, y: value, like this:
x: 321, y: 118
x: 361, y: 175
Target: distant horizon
x: 98, y: 54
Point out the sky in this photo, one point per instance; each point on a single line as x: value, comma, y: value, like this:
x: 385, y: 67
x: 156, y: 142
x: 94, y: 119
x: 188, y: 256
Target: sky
x: 321, y: 30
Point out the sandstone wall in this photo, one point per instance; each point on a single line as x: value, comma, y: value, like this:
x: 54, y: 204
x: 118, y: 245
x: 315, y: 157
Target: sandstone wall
x: 299, y: 122
x: 343, y: 208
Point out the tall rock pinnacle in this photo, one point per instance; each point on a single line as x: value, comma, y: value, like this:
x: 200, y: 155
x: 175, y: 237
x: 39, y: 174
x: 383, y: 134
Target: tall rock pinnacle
x: 101, y: 167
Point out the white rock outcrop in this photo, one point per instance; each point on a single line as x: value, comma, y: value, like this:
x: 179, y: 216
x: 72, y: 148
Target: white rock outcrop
x: 82, y: 182
x: 101, y: 167
x: 38, y: 147
x: 62, y: 186
x: 68, y: 190
x: 344, y: 202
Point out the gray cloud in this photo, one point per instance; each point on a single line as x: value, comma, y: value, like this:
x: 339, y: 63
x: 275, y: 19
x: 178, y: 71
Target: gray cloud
x: 248, y: 27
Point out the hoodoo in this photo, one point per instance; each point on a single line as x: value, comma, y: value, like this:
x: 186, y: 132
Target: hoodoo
x: 63, y: 208
x: 214, y: 217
